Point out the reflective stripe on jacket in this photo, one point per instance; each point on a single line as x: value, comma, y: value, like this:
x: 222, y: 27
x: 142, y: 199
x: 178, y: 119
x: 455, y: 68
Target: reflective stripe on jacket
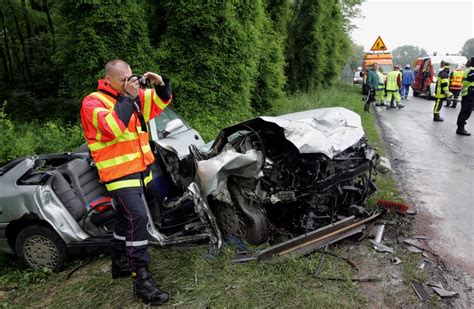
x: 393, y: 80
x: 455, y: 82
x: 381, y: 80
x: 442, y: 85
x: 118, y: 149
x: 468, y: 81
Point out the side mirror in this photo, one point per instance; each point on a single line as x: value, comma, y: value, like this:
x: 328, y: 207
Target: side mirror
x: 172, y: 126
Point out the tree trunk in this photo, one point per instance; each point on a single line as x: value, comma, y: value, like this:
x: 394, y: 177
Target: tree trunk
x: 27, y: 20
x: 7, y: 49
x: 5, y: 65
x: 48, y: 15
x: 24, y: 68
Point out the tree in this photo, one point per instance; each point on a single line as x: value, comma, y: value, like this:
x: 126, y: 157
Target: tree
x: 468, y: 48
x: 350, y: 10
x: 317, y: 45
x: 224, y: 58
x: 356, y: 57
x: 89, y: 34
x: 407, y: 54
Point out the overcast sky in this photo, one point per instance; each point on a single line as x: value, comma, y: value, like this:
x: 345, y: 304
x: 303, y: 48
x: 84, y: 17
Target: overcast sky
x: 441, y: 26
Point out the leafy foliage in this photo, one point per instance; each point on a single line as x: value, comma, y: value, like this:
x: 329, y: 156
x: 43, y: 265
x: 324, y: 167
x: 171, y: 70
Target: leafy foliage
x: 317, y: 45
x: 99, y: 33
x: 27, y: 138
x: 226, y: 59
x: 468, y: 48
x: 407, y: 54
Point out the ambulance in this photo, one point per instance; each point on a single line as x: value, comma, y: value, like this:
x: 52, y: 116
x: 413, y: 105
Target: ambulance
x: 425, y: 71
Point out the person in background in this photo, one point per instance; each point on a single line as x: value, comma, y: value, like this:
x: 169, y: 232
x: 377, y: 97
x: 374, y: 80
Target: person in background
x: 372, y: 83
x: 392, y: 86
x: 380, y: 96
x: 442, y: 90
x: 467, y: 101
x: 455, y: 85
x: 407, y: 79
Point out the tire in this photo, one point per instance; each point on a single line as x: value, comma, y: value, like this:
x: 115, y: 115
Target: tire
x: 40, y: 246
x: 428, y: 94
x: 257, y: 229
x: 416, y: 93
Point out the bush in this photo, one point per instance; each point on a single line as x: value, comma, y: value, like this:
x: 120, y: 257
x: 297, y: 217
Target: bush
x: 22, y: 139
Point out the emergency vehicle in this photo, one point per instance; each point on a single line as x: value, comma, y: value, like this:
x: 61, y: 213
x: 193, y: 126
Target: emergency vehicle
x: 425, y: 71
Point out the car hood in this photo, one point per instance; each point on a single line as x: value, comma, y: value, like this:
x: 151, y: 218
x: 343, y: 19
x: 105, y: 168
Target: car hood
x: 329, y: 131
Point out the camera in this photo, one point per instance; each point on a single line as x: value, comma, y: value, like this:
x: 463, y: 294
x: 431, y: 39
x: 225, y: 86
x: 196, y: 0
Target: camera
x: 144, y: 82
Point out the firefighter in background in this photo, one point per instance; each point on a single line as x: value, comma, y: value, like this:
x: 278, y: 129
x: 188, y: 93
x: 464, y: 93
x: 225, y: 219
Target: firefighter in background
x: 380, y: 96
x: 407, y: 79
x: 455, y: 86
x: 114, y: 119
x: 392, y: 86
x: 442, y: 90
x: 467, y: 101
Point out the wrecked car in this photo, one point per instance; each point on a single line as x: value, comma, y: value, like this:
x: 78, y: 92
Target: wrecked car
x: 262, y: 180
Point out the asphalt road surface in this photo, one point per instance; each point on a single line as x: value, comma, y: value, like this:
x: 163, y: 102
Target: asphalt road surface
x: 435, y: 170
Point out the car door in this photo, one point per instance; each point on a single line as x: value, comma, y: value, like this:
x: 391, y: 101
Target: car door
x: 417, y: 73
x: 427, y: 75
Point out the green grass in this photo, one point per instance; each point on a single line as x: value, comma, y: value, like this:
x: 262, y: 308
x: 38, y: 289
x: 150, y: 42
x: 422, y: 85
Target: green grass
x: 196, y: 280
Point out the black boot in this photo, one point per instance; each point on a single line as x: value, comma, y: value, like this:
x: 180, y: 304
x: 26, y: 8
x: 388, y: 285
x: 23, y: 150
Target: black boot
x: 120, y: 267
x: 462, y: 131
x: 146, y: 290
x: 367, y: 107
x: 437, y: 117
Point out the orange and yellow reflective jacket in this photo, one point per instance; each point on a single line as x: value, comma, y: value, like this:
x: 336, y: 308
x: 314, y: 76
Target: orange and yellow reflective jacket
x: 456, y: 80
x: 117, y: 140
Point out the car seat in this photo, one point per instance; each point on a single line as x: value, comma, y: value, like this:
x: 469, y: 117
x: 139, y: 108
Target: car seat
x: 77, y: 185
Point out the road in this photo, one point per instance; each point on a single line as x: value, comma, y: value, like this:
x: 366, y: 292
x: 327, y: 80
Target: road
x: 435, y: 170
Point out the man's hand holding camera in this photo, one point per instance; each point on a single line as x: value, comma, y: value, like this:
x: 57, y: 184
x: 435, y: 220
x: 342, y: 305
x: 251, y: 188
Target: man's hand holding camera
x: 134, y: 82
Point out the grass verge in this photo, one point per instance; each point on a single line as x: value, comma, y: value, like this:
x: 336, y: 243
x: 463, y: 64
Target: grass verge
x: 196, y: 280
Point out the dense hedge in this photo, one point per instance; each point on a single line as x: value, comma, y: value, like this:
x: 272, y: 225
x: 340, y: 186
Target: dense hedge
x: 228, y: 60
x: 317, y: 44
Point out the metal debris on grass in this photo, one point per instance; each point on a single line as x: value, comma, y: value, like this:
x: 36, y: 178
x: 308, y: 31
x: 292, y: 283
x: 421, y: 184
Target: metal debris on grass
x: 381, y: 247
x: 414, y: 249
x: 441, y: 291
x: 420, y: 291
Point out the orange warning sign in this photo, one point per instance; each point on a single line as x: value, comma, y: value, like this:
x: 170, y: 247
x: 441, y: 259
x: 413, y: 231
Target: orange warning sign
x: 378, y: 45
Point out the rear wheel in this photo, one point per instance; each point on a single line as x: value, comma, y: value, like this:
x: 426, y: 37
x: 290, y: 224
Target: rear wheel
x: 428, y: 93
x: 40, y: 246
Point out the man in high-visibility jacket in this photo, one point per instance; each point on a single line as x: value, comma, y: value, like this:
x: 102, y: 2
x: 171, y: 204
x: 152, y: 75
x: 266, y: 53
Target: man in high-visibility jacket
x: 114, y: 120
x: 392, y: 86
x: 442, y: 90
x: 467, y: 101
x: 455, y: 86
x: 380, y: 96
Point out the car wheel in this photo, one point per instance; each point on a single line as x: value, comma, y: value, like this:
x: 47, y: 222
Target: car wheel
x: 257, y: 229
x: 416, y: 93
x: 428, y: 94
x: 40, y: 246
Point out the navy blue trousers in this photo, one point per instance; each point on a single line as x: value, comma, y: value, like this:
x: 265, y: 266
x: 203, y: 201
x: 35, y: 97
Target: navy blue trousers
x: 130, y: 233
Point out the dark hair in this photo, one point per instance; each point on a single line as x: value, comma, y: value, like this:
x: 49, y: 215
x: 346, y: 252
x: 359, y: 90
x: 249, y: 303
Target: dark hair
x: 470, y: 62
